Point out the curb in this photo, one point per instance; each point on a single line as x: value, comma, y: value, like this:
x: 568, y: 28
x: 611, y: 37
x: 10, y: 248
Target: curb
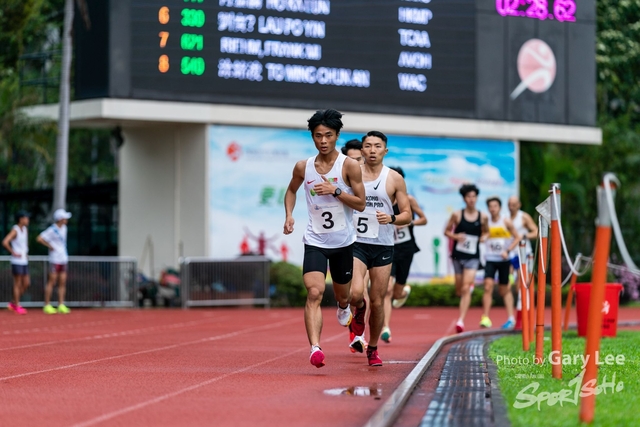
x: 391, y: 408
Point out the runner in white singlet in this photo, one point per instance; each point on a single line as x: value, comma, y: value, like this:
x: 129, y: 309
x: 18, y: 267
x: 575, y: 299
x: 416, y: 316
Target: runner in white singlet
x: 17, y: 243
x: 333, y: 190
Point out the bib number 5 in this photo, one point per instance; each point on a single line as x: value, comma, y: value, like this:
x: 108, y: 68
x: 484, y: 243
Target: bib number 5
x: 366, y: 226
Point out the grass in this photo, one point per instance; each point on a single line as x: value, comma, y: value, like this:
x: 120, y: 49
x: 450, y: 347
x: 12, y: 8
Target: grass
x: 613, y: 407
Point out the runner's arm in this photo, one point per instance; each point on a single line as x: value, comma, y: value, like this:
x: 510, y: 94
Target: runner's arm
x: 42, y: 241
x: 290, y: 196
x: 8, y: 238
x: 530, y: 225
x: 484, y: 223
x: 356, y: 201
x: 516, y: 237
x: 404, y: 206
x: 451, y: 224
x: 415, y: 208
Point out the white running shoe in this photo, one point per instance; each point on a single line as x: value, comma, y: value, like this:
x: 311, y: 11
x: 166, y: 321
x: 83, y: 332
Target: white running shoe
x: 344, y: 315
x: 397, y: 303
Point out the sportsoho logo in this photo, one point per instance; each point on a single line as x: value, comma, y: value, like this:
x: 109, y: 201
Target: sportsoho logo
x: 536, y: 67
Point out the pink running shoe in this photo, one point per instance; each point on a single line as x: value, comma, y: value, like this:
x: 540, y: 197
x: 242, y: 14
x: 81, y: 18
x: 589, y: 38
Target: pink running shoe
x: 358, y: 325
x: 20, y: 309
x: 374, y: 359
x: 459, y: 326
x: 317, y: 357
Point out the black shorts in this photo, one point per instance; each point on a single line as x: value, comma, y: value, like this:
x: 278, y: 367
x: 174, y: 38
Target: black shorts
x: 340, y: 262
x: 373, y: 255
x: 501, y: 267
x: 401, y: 265
x: 19, y: 270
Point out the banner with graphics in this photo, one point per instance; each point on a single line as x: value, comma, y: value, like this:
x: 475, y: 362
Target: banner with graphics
x: 250, y: 169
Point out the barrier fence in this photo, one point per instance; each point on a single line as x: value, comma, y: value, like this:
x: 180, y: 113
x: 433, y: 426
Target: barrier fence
x: 91, y: 282
x: 212, y: 282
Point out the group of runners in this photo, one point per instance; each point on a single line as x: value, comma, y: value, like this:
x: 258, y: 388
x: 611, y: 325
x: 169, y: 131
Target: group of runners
x: 55, y: 239
x: 360, y: 224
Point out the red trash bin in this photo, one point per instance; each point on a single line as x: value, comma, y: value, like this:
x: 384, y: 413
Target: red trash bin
x: 609, y: 308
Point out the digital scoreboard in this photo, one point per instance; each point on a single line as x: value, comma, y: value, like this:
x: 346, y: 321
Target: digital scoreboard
x: 451, y: 58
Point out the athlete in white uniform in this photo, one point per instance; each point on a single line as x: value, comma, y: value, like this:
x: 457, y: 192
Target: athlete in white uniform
x: 503, y: 238
x: 17, y: 243
x: 333, y: 189
x: 373, y: 251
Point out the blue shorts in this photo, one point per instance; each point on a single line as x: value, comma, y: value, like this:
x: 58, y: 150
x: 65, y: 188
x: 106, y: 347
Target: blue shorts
x: 515, y: 262
x: 19, y: 270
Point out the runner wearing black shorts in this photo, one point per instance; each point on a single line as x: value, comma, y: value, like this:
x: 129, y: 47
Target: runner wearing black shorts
x: 333, y: 190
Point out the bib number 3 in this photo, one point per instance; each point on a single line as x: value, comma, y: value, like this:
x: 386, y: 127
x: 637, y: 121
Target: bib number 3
x: 327, y: 218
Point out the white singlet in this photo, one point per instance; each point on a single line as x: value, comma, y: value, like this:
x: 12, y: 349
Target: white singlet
x: 368, y: 230
x: 498, y: 241
x: 20, y: 245
x: 330, y: 221
x: 518, y: 224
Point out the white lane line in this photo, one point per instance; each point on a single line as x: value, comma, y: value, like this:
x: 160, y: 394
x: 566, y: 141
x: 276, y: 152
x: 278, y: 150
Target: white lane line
x: 59, y: 327
x: 167, y: 347
x: 118, y: 334
x: 146, y: 403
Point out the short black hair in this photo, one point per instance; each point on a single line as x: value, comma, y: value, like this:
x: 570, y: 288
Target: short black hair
x: 329, y: 118
x: 468, y: 188
x: 22, y: 214
x: 353, y: 144
x: 377, y: 134
x: 397, y: 169
x: 494, y: 199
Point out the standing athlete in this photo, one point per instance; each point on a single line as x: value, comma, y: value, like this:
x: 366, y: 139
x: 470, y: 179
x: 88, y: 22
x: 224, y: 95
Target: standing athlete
x: 528, y: 230
x: 17, y: 243
x: 333, y: 189
x: 503, y: 238
x: 55, y: 238
x: 373, y: 251
x: 469, y: 227
x: 403, y: 250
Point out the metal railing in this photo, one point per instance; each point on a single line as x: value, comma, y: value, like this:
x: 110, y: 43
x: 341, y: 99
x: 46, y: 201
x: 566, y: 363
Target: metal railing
x: 91, y: 282
x: 214, y: 282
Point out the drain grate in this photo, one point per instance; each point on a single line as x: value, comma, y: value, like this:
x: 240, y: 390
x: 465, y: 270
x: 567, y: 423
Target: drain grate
x: 463, y: 395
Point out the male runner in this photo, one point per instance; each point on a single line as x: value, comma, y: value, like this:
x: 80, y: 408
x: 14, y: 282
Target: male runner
x: 503, y: 238
x: 373, y: 250
x: 333, y: 189
x: 470, y: 229
x: 55, y: 238
x: 403, y: 250
x: 353, y: 149
x: 527, y: 229
x: 17, y: 243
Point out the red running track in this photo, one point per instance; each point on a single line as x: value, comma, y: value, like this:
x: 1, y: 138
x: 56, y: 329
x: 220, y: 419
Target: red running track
x: 203, y: 367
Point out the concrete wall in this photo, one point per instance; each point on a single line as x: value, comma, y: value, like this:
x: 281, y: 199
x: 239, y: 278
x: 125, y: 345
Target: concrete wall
x: 162, y: 194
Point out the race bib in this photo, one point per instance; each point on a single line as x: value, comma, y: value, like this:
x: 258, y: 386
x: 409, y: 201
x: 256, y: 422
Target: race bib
x: 366, y: 225
x: 469, y: 246
x: 401, y: 235
x: 328, y: 218
x: 495, y: 247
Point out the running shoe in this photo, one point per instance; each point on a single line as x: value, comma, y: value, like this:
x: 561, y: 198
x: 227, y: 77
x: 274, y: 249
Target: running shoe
x: 471, y: 288
x: 509, y: 324
x: 316, y: 357
x: 63, y: 309
x: 373, y: 358
x: 344, y: 315
x: 485, y: 322
x: 49, y: 309
x: 358, y: 325
x: 20, y: 310
x: 459, y: 326
x: 11, y: 306
x: 397, y: 303
x: 386, y: 335
x: 358, y: 344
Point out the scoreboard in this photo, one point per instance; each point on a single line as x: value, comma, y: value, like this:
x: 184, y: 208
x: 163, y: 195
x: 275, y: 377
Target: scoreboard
x: 518, y: 60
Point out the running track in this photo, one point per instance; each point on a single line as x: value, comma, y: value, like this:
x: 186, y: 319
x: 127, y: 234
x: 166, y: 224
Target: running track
x: 222, y: 367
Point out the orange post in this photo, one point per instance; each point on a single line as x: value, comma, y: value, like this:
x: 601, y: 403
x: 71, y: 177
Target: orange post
x: 542, y: 283
x: 532, y: 313
x: 567, y: 307
x: 524, y: 296
x: 594, y: 323
x: 556, y: 284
